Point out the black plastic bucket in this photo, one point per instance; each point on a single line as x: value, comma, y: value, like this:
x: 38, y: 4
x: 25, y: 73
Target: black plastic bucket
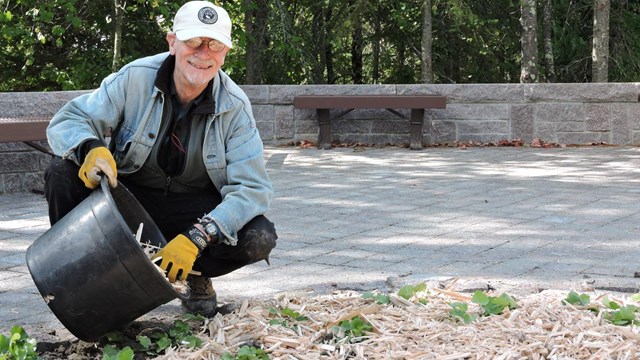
x: 91, y: 270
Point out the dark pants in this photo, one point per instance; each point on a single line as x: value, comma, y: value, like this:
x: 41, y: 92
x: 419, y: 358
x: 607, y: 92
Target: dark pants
x: 173, y: 213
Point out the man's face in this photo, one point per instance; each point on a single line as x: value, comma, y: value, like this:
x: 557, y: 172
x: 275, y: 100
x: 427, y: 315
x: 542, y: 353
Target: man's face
x: 195, y: 67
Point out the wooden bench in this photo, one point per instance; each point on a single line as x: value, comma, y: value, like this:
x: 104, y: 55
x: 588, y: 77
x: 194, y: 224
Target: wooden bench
x: 26, y: 129
x: 417, y: 104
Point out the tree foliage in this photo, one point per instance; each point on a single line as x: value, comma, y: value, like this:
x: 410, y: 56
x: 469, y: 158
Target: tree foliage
x: 68, y: 44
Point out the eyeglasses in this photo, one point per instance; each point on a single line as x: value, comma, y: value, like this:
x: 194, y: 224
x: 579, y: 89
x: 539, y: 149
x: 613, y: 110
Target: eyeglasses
x: 214, y: 45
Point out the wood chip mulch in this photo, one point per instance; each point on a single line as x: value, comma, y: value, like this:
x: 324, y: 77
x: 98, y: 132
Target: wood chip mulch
x: 541, y: 327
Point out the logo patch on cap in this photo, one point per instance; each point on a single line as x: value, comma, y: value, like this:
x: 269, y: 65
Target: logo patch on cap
x: 208, y: 15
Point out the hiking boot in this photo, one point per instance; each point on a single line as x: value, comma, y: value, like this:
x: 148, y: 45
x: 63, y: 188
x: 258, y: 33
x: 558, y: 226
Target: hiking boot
x: 202, y: 298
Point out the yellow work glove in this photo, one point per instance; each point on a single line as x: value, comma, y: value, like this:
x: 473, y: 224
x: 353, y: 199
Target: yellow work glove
x: 97, y: 161
x: 178, y: 257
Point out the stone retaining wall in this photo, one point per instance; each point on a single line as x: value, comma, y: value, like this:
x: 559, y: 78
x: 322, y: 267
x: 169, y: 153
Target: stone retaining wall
x: 557, y: 113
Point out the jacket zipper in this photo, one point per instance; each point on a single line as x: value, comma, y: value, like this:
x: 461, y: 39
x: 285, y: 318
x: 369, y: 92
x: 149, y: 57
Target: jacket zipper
x: 167, y: 184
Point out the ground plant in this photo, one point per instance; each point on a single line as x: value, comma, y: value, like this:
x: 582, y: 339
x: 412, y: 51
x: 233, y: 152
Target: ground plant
x: 286, y: 318
x: 493, y: 305
x: 409, y: 291
x: 352, y: 330
x: 247, y: 353
x: 459, y: 311
x: 154, y: 343
x: 18, y: 345
x: 614, y: 313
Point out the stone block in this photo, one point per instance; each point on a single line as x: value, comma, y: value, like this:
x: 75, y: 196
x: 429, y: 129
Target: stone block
x: 622, y: 123
x: 571, y: 126
x: 14, y: 146
x: 473, y: 112
x: 545, y: 131
x: 48, y: 103
x: 598, y: 116
x: 390, y: 126
x: 475, y: 93
x: 522, y: 123
x: 305, y: 114
x: 266, y: 130
x: 582, y: 138
x: 443, y: 131
x: 284, y: 94
x: 584, y: 92
x: 18, y: 162
x: 483, y: 127
x: 306, y: 126
x: 348, y: 126
x: 257, y: 94
x: 558, y: 112
x: 12, y: 183
x: 483, y: 138
x: 263, y: 112
x: 33, y: 181
x: 284, y: 122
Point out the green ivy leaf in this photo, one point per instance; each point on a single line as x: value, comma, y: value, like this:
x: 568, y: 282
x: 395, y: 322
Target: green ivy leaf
x: 574, y: 298
x: 406, y: 292
x: 125, y: 354
x: 144, y: 341
x: 480, y: 298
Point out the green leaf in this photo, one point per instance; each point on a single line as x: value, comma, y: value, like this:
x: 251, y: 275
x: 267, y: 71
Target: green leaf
x: 610, y: 304
x: 163, y: 343
x: 480, y: 298
x: 192, y: 341
x: 574, y: 298
x: 144, y: 341
x: 125, y: 354
x: 379, y: 298
x: 493, y: 305
x: 4, y: 344
x: 193, y: 317
x: 635, y: 297
x: 406, y: 292
x: 115, y: 336
x: 459, y: 311
x: 109, y: 352
x: 420, y: 288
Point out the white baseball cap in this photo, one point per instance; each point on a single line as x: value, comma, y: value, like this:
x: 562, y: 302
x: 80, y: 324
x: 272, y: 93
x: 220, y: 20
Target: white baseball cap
x: 202, y: 19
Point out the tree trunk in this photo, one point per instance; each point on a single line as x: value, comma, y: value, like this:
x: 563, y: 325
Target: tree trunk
x: 117, y: 33
x: 529, y: 42
x: 319, y: 51
x: 426, y: 71
x: 356, y: 53
x: 600, y: 52
x: 375, y: 56
x: 255, y: 21
x: 549, y: 68
x: 328, y: 48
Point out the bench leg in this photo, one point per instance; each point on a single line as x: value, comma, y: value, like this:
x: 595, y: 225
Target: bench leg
x: 324, y: 134
x: 416, y: 133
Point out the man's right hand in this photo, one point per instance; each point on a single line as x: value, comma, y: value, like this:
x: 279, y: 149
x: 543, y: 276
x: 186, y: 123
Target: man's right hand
x: 98, y: 161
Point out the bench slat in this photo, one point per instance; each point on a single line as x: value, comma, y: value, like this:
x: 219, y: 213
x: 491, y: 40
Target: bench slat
x: 370, y: 101
x: 21, y: 129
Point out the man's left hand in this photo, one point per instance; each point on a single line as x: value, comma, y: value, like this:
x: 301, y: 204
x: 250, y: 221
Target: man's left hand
x: 178, y: 257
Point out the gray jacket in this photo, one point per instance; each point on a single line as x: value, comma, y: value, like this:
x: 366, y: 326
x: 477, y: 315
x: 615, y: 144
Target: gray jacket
x: 128, y: 106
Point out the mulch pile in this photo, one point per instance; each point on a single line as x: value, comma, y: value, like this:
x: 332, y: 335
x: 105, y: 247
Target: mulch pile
x: 543, y: 326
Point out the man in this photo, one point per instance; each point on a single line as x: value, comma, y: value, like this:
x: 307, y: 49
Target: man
x: 184, y: 142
